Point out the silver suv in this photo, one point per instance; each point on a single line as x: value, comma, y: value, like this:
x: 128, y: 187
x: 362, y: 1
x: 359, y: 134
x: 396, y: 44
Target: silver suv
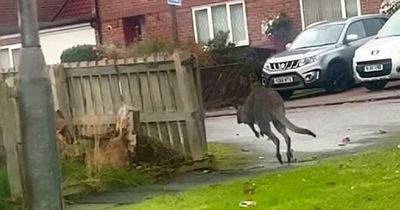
x: 321, y: 56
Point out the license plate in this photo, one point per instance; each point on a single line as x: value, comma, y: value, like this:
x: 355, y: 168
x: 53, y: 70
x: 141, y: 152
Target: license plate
x: 372, y: 68
x: 283, y: 80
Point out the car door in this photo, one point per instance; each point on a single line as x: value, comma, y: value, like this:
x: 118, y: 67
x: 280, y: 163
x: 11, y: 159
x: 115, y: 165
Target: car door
x: 365, y: 30
x: 355, y: 28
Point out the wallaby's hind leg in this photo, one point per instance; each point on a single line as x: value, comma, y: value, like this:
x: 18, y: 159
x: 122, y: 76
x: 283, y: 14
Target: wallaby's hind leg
x: 266, y: 129
x: 254, y: 130
x: 281, y: 128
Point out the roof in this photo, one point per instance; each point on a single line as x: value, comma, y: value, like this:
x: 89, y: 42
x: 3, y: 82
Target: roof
x: 50, y: 13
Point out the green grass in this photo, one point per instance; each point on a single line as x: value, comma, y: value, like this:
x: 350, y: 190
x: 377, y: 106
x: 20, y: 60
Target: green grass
x: 75, y: 172
x: 230, y: 157
x: 364, y: 181
x: 4, y: 189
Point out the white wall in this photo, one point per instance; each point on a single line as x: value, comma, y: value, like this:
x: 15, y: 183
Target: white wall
x: 54, y: 41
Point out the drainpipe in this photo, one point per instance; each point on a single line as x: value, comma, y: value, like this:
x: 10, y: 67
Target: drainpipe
x: 97, y: 20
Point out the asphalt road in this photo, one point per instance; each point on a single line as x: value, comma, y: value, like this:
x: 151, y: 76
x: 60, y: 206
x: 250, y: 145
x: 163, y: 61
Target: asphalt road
x: 358, y: 121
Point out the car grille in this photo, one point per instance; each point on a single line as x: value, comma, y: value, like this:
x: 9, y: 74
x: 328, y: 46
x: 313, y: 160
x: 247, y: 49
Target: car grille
x: 387, y: 68
x: 284, y: 65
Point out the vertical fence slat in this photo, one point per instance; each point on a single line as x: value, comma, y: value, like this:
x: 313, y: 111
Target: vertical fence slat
x: 188, y: 93
x: 11, y: 135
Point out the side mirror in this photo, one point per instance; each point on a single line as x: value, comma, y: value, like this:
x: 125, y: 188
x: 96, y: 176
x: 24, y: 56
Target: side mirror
x: 351, y: 38
x: 288, y: 45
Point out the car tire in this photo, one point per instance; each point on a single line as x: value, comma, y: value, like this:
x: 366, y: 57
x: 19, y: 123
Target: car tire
x: 286, y: 94
x: 339, y: 79
x: 375, y: 85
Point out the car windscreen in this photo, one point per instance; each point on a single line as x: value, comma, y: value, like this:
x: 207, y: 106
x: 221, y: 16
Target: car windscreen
x: 318, y: 36
x: 392, y: 27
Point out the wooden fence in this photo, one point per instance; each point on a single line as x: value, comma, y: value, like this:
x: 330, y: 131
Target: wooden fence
x: 10, y: 135
x: 165, y: 90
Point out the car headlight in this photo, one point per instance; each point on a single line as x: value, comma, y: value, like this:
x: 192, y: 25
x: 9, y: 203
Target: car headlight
x: 267, y: 67
x: 305, y: 61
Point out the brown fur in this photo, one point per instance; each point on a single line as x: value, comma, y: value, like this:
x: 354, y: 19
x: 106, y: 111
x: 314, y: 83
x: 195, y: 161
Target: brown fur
x: 264, y: 106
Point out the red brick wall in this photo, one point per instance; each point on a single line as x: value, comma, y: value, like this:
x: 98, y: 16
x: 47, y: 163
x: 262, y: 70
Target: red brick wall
x: 370, y: 6
x: 158, y: 21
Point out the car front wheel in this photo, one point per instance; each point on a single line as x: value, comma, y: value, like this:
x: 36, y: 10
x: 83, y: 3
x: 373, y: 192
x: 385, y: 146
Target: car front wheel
x: 339, y: 78
x: 375, y: 85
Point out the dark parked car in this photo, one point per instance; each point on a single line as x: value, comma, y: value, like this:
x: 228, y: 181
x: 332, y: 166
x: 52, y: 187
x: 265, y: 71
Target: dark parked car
x: 321, y: 56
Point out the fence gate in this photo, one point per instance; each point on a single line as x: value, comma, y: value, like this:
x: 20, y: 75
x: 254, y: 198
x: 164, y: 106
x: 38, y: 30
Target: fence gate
x: 163, y: 88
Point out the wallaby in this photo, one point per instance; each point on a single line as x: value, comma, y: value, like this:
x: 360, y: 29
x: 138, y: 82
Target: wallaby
x: 262, y: 106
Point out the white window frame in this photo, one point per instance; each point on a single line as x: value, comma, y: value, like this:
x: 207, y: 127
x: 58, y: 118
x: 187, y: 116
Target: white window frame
x: 10, y: 48
x: 343, y: 7
x: 210, y: 24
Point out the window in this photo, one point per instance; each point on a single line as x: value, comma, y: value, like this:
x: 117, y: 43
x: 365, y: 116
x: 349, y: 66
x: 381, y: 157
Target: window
x: 9, y: 58
x: 318, y: 10
x: 357, y: 28
x: 372, y: 26
x: 391, y: 28
x: 15, y: 57
x: 210, y: 20
x: 4, y: 59
x: 318, y: 36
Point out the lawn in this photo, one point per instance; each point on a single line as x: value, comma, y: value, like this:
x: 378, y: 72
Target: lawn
x: 364, y: 181
x: 4, y: 191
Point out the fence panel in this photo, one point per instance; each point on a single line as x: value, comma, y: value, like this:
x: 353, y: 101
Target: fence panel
x: 162, y: 88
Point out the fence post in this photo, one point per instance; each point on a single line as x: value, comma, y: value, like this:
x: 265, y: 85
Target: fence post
x: 189, y: 95
x: 11, y: 135
x: 61, y: 93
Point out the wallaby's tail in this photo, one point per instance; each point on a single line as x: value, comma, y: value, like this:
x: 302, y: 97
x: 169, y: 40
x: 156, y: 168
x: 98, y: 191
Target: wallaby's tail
x: 285, y: 121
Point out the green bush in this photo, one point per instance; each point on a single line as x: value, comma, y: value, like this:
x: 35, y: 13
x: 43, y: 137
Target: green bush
x: 79, y: 53
x: 148, y: 47
x: 389, y: 7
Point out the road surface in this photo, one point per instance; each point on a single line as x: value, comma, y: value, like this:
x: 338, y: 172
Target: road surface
x: 359, y: 121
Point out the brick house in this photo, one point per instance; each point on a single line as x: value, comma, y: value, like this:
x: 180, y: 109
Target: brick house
x: 63, y: 24
x: 123, y: 20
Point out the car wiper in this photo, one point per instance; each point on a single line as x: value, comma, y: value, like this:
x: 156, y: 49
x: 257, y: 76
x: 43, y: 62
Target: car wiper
x: 320, y: 45
x: 392, y: 35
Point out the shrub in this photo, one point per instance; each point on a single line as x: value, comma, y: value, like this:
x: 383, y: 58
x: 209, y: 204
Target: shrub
x: 389, y: 7
x: 148, y: 47
x: 142, y: 48
x: 222, y: 50
x: 79, y: 53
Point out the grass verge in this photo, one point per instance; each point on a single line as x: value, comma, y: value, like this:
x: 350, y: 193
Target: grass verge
x: 76, y: 172
x: 230, y: 157
x: 364, y: 181
x: 4, y: 189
